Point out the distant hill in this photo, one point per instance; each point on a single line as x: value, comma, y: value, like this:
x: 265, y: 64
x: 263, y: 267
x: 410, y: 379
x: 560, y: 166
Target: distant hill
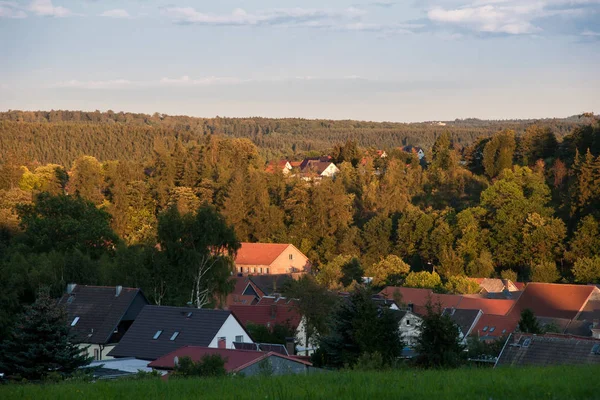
x: 61, y: 136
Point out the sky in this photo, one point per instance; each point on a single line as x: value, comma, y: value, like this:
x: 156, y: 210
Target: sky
x: 381, y: 60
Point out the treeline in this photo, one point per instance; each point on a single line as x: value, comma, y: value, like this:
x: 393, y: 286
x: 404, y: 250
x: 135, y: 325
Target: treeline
x: 61, y: 136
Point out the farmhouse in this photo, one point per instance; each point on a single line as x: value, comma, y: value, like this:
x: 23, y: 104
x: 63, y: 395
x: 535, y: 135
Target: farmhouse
x: 270, y: 259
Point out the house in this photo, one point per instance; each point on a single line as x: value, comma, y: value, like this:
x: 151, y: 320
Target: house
x: 415, y: 150
x: 409, y: 325
x: 495, y: 288
x: 283, y: 166
x: 270, y: 259
x: 99, y: 316
x: 318, y: 167
x: 159, y: 330
x: 272, y: 311
x: 549, y: 349
x: 466, y: 320
x: 245, y: 292
x: 246, y: 362
x: 272, y: 285
x: 555, y: 300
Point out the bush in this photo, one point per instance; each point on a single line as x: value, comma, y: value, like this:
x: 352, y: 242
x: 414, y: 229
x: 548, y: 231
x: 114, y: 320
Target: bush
x: 370, y: 362
x: 210, y: 365
x: 423, y: 279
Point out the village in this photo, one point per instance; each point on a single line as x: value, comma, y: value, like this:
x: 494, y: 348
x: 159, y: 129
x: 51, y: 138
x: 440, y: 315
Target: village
x: 125, y: 334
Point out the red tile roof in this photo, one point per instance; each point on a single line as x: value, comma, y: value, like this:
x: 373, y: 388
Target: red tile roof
x: 488, y: 306
x: 495, y: 326
x: 420, y: 297
x: 268, y: 315
x: 259, y: 253
x: 553, y: 300
x: 276, y: 165
x: 235, y: 360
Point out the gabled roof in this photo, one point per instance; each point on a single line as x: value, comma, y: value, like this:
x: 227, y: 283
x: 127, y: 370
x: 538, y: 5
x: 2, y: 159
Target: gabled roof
x: 465, y: 319
x: 488, y: 306
x: 99, y: 310
x: 196, y: 327
x: 550, y: 349
x: 421, y: 297
x: 270, y: 284
x: 317, y: 165
x: 235, y: 360
x: 268, y: 315
x: 259, y: 253
x: 553, y: 300
x: 276, y: 165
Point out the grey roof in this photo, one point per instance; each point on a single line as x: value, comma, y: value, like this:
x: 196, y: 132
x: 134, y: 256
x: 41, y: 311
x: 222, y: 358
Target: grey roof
x: 549, y: 349
x: 270, y: 284
x: 465, y: 319
x: 580, y: 328
x: 591, y: 311
x: 199, y: 329
x: 100, y: 310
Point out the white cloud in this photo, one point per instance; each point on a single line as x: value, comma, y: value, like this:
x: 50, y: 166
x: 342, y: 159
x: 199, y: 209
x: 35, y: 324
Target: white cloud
x: 514, y: 17
x: 116, y: 13
x: 588, y: 32
x: 47, y: 9
x: 275, y: 17
x: 187, y: 81
x: 109, y: 84
x: 9, y: 9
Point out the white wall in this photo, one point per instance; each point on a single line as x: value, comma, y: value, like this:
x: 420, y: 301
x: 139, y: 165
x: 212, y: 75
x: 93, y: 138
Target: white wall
x: 230, y: 329
x: 410, y: 332
x: 90, y: 350
x: 330, y: 171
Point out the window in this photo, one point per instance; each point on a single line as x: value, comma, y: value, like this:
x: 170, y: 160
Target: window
x: 75, y: 321
x: 492, y: 329
x: 267, y: 270
x: 241, y: 270
x: 96, y: 354
x: 485, y: 328
x: 253, y: 269
x: 503, y: 331
x: 526, y: 342
x: 156, y: 335
x: 239, y: 339
x: 408, y: 322
x: 174, y: 336
x: 291, y: 256
x: 261, y: 270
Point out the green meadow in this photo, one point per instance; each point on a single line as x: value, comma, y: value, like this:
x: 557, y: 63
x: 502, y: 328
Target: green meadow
x: 481, y: 384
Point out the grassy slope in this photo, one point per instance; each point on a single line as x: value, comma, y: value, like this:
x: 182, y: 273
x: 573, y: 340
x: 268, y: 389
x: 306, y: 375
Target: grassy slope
x: 527, y: 383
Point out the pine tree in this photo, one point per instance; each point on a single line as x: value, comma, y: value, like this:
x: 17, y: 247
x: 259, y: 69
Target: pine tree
x: 439, y: 342
x: 528, y: 322
x: 40, y: 343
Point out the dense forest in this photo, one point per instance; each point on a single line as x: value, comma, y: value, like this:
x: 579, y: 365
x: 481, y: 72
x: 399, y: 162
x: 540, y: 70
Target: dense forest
x: 62, y: 136
x: 101, y: 198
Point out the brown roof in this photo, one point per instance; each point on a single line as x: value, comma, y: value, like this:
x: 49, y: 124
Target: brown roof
x: 235, y: 360
x: 553, y: 300
x: 276, y: 165
x: 259, y: 253
x: 465, y: 319
x: 316, y: 165
x: 495, y: 326
x: 267, y: 315
x: 488, y: 306
x: 550, y: 349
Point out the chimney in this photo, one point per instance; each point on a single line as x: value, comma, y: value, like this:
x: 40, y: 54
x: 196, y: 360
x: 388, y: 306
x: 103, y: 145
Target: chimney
x: 273, y: 311
x: 222, y: 343
x: 290, y: 346
x: 118, y: 291
x: 71, y: 287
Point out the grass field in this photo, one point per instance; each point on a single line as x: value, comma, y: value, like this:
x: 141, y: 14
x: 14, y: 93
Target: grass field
x: 483, y: 384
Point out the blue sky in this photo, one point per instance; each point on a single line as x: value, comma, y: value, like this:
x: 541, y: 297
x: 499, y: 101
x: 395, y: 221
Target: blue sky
x: 405, y: 60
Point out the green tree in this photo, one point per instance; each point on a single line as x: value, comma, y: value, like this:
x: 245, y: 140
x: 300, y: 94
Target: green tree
x: 276, y: 334
x: 357, y: 327
x: 544, y: 271
x: 509, y: 274
x: 40, y: 343
x: 423, y: 279
x: 482, y: 266
x: 352, y: 271
x: 197, y: 250
x: 585, y: 241
x: 498, y: 153
x: 439, y: 344
x: 210, y: 365
x: 87, y: 179
x: 66, y: 223
x: 389, y: 270
x: 587, y: 270
x: 529, y: 323
x: 461, y: 285
x: 314, y: 302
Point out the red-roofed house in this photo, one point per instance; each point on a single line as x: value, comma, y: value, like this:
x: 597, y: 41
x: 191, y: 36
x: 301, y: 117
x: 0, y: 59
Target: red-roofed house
x: 270, y: 259
x: 247, y: 362
x: 488, y: 306
x: 421, y: 297
x: 282, y: 165
x: 554, y: 300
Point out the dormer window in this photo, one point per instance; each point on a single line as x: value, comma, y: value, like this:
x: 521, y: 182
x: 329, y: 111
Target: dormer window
x: 157, y: 335
x: 75, y: 321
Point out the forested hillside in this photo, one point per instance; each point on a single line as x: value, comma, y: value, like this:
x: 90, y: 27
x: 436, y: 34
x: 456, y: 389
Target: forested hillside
x: 62, y: 136
x: 88, y: 201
